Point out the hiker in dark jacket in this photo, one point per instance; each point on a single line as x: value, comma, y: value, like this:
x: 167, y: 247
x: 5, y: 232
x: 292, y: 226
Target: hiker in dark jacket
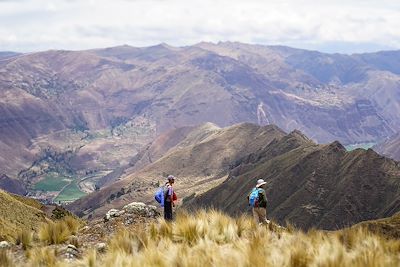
x: 169, y: 198
x: 259, y: 205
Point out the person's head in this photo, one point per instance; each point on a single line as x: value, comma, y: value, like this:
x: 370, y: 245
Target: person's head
x: 171, y: 179
x: 260, y: 183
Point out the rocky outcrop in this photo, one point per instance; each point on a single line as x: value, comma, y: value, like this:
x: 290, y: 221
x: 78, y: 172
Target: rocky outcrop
x: 133, y: 209
x: 141, y: 209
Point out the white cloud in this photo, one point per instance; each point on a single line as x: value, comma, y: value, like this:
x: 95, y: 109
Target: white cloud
x: 30, y: 25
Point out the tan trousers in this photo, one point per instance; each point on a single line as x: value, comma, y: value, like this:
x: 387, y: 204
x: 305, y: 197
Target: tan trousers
x: 260, y: 215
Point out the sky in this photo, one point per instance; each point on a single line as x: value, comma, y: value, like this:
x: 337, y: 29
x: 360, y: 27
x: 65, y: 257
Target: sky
x: 351, y: 26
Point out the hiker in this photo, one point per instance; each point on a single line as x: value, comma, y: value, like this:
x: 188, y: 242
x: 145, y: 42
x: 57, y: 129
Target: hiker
x: 258, y: 201
x: 169, y: 198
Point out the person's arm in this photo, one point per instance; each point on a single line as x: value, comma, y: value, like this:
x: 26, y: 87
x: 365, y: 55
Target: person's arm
x: 264, y: 197
x: 171, y: 195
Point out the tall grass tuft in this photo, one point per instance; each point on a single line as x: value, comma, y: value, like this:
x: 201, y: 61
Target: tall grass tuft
x: 128, y: 242
x: 24, y: 238
x: 42, y: 257
x: 54, y: 232
x: 59, y: 232
x: 5, y: 258
x: 90, y: 260
x: 73, y: 224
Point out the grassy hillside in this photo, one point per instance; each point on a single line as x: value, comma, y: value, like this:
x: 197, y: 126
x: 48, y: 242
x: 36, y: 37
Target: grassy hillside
x: 389, y: 227
x: 18, y: 213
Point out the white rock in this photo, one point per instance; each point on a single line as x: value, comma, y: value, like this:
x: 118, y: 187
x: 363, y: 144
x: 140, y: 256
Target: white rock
x: 141, y: 209
x: 5, y: 244
x: 113, y: 213
x: 101, y: 247
x: 120, y: 213
x: 134, y: 206
x: 72, y: 247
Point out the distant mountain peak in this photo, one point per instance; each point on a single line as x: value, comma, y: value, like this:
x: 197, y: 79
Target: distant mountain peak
x: 336, y: 146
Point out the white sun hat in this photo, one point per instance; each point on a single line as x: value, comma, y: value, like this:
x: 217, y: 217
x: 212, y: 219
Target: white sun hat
x: 260, y: 182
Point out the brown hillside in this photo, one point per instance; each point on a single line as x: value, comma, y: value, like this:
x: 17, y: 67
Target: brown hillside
x: 200, y: 161
x: 159, y: 147
x: 18, y: 213
x: 329, y: 97
x: 12, y: 185
x: 390, y: 147
x: 312, y: 185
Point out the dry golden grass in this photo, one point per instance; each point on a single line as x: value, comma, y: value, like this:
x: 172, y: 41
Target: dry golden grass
x: 24, y: 238
x: 58, y: 232
x: 43, y: 257
x: 17, y: 214
x: 28, y: 201
x: 210, y: 238
x: 6, y: 258
x: 73, y: 224
x: 54, y: 233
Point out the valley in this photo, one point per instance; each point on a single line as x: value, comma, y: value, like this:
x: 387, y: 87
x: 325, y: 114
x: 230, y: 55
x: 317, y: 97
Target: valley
x: 137, y: 133
x: 71, y: 163
x: 75, y: 122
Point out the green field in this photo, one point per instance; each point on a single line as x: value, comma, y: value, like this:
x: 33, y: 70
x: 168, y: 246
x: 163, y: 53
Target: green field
x: 52, y: 182
x: 361, y: 145
x: 70, y: 193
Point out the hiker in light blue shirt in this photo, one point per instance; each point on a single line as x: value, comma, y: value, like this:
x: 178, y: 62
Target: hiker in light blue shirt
x: 258, y: 201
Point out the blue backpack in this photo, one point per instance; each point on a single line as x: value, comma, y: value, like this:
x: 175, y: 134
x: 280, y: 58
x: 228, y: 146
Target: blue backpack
x: 253, y: 198
x: 159, y: 196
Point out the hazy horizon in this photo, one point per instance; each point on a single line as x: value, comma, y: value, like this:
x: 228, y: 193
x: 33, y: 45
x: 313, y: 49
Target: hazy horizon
x: 331, y: 47
x: 352, y: 26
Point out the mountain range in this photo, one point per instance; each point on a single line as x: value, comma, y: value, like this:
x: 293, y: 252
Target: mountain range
x: 87, y: 113
x: 311, y: 185
x: 200, y: 160
x: 308, y: 184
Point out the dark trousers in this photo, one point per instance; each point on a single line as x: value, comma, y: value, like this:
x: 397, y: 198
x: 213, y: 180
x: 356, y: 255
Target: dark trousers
x: 168, y: 210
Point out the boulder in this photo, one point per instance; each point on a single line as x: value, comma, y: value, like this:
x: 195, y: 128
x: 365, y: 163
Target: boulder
x: 112, y: 213
x: 141, y: 209
x: 101, y: 247
x: 71, y: 252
